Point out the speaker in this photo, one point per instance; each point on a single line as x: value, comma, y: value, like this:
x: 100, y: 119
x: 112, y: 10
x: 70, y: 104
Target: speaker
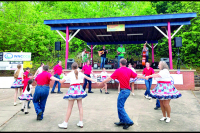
x: 108, y: 66
x: 111, y: 61
x: 69, y: 63
x: 177, y: 42
x: 115, y: 64
x: 58, y: 46
x: 166, y: 60
x: 154, y: 65
x: 95, y: 66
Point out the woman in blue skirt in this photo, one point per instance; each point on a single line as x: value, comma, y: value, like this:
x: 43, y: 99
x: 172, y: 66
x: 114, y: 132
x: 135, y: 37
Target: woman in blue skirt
x: 164, y: 90
x: 75, y: 92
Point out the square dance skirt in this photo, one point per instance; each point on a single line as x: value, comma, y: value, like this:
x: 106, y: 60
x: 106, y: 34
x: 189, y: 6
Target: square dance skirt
x: 27, y: 97
x: 75, y: 92
x: 133, y: 80
x: 165, y: 91
x: 17, y: 83
x: 102, y: 79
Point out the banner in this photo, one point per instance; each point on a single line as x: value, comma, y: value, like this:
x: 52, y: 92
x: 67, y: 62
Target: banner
x: 16, y: 56
x: 175, y: 79
x: 116, y: 27
x: 10, y: 65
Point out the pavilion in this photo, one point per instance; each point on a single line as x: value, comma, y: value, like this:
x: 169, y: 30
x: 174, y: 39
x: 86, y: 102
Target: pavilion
x: 122, y: 30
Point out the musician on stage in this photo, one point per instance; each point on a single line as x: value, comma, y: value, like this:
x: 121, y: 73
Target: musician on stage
x: 103, y: 53
x: 84, y: 56
x: 145, y: 48
x: 120, y: 52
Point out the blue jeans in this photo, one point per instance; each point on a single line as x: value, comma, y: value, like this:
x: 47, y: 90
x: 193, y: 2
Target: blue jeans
x: 123, y: 116
x: 148, y: 86
x: 157, y: 103
x: 40, y: 98
x: 147, y: 57
x: 119, y: 57
x: 55, y: 83
x: 103, y: 59
x: 84, y: 86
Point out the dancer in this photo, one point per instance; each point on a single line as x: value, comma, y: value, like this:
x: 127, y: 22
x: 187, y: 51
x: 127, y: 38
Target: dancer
x: 132, y: 80
x: 104, y: 75
x: 42, y: 91
x: 26, y: 96
x: 30, y: 76
x: 26, y: 73
x: 87, y: 69
x: 123, y: 74
x: 75, y: 92
x: 148, y: 71
x: 57, y: 72
x: 18, y: 75
x: 39, y: 70
x: 164, y: 90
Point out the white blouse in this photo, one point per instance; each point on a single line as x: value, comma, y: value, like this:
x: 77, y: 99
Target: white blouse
x: 165, y: 75
x: 40, y: 69
x: 104, y: 74
x: 72, y: 78
x: 28, y: 92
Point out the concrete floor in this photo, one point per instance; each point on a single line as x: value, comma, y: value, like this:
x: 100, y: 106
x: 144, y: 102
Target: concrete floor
x: 100, y: 113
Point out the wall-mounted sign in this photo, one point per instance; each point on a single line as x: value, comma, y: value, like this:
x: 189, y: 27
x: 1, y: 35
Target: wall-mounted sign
x: 27, y: 64
x: 16, y: 56
x: 116, y: 27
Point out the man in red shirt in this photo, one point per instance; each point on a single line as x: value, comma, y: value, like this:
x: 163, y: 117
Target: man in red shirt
x: 42, y: 91
x: 123, y: 75
x: 87, y: 69
x: 30, y: 76
x: 57, y: 72
x: 148, y: 71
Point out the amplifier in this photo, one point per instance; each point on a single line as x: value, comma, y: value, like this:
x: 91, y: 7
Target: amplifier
x: 108, y: 66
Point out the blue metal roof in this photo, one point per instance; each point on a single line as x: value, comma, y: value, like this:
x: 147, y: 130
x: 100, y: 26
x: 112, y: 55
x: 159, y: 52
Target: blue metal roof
x: 91, y: 27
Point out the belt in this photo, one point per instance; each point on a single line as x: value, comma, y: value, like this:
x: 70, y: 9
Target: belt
x: 43, y: 85
x: 124, y: 89
x: 164, y: 81
x: 75, y: 84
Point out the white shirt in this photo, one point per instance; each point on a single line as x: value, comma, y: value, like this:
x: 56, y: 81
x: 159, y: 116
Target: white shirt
x: 72, y: 78
x: 165, y: 75
x: 104, y: 74
x: 133, y: 69
x: 28, y: 92
x: 20, y: 73
x: 40, y: 69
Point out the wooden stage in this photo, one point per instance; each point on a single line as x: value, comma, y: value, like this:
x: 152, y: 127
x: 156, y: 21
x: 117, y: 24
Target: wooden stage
x: 182, y: 81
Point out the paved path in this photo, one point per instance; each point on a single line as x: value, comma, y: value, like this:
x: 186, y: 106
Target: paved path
x: 100, y: 113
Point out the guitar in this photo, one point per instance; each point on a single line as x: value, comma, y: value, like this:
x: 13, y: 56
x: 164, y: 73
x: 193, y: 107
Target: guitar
x: 118, y: 53
x: 102, y: 52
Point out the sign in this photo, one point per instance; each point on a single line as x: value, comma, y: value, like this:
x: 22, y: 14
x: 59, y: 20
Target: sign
x: 27, y: 64
x: 10, y: 65
x: 16, y: 56
x: 1, y: 56
x: 175, y: 79
x: 116, y: 27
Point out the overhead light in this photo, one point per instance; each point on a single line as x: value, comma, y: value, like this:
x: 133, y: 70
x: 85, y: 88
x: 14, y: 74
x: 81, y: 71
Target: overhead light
x: 134, y: 34
x: 104, y: 35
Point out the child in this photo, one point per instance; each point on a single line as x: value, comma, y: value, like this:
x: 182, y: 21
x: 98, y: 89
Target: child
x: 26, y: 73
x: 26, y: 96
x: 118, y: 85
x: 75, y: 92
x: 131, y: 79
x: 18, y: 83
x: 30, y: 76
x: 104, y: 75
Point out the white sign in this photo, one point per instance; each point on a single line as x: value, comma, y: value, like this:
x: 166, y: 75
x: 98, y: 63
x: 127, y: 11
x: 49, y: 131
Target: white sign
x: 10, y: 65
x: 16, y: 56
x: 175, y: 79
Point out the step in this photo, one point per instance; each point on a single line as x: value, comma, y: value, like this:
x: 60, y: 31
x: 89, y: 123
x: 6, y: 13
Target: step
x: 197, y: 81
x: 197, y: 88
